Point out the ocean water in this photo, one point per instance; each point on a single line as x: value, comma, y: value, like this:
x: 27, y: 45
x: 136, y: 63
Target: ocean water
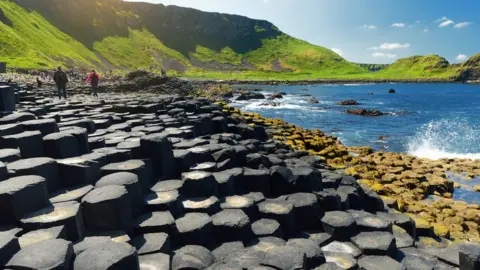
x: 426, y: 120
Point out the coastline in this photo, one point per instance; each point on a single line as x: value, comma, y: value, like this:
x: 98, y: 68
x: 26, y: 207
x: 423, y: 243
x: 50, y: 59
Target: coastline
x: 325, y: 81
x: 415, y: 186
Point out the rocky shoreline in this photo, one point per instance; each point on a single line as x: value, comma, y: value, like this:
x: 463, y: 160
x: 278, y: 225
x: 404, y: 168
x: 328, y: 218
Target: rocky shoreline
x: 146, y: 180
x: 324, y: 81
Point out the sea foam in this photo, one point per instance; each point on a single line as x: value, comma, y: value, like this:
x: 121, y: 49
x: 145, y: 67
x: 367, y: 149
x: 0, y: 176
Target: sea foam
x: 446, y: 138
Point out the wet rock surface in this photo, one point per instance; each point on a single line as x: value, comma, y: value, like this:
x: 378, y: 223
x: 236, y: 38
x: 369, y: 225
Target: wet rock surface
x: 152, y: 181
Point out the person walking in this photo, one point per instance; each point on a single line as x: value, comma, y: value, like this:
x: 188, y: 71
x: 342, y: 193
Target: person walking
x: 93, y: 80
x: 60, y: 78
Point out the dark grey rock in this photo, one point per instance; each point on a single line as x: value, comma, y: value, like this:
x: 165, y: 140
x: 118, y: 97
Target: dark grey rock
x: 195, y: 229
x: 167, y: 185
x: 192, y: 257
x: 155, y: 222
x: 313, y: 253
x: 210, y: 205
x: 61, y: 145
x: 225, y: 249
x: 342, y: 248
x: 130, y: 182
x: 152, y: 243
x: 285, y: 257
x: 340, y: 225
x: 157, y: 261
x: 379, y: 263
x: 112, y: 256
x: 44, y: 167
x: 267, y: 227
x: 134, y: 166
x: 8, y: 246
x: 45, y: 126
x: 231, y: 225
x: 90, y: 242
x: 163, y: 201
x: 306, y: 210
x: 78, y: 171
x: 158, y: 148
x: 328, y: 201
x: 199, y: 184
x: 257, y: 181
x: 375, y: 243
x: 279, y: 211
x: 402, y: 238
x: 70, y: 194
x: 469, y: 257
x: 21, y: 195
x: 107, y: 208
x: 66, y: 214
x: 49, y: 254
x: 9, y: 155
x: 37, y: 236
x: 244, y: 258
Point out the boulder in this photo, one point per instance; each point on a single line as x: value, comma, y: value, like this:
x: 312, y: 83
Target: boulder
x: 111, y: 255
x: 130, y: 182
x: 49, y: 254
x: 340, y: 225
x: 348, y: 103
x: 365, y: 112
x: 195, y: 229
x: 155, y: 222
x: 30, y: 143
x: 44, y: 167
x: 152, y: 243
x: 67, y: 214
x: 21, y: 195
x: 107, y: 208
x: 231, y: 225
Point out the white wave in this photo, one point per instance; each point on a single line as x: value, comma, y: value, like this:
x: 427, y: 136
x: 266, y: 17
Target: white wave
x: 261, y: 105
x: 446, y: 138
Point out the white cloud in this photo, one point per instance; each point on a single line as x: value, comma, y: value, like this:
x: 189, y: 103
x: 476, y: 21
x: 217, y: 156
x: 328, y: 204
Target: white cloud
x: 462, y: 24
x: 446, y: 23
x: 461, y: 57
x: 338, y: 51
x: 388, y: 55
x: 390, y: 46
x: 441, y: 20
x: 400, y: 25
x: 369, y: 26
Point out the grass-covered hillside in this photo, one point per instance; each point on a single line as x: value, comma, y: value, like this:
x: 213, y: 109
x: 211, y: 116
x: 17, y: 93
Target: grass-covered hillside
x: 429, y: 66
x: 112, y: 34
x: 118, y: 35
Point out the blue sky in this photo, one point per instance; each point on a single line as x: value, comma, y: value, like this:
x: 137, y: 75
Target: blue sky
x: 366, y: 31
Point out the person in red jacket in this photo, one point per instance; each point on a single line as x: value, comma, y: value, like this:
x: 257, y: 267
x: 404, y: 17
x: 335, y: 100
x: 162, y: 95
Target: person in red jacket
x: 93, y: 79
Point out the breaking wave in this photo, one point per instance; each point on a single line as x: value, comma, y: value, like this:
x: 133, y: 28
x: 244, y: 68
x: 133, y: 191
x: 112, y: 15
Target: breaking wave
x: 446, y: 138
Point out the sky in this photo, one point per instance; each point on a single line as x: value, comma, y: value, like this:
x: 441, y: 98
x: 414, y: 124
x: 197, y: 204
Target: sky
x: 366, y: 31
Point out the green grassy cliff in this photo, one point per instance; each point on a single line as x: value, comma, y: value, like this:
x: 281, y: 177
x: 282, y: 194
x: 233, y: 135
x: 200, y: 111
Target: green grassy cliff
x: 113, y: 34
x: 118, y: 35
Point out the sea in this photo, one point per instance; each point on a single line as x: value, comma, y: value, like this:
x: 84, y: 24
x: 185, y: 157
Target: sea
x: 432, y: 121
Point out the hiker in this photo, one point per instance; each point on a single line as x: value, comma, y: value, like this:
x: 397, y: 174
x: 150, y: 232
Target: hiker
x: 60, y: 78
x: 164, y: 73
x: 93, y: 79
x: 39, y: 83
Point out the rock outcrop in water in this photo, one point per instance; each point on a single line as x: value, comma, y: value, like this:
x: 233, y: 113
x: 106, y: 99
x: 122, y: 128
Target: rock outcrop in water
x: 174, y: 182
x: 348, y: 103
x: 364, y: 112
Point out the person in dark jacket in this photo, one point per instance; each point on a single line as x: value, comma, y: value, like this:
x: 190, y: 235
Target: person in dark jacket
x: 60, y: 78
x: 93, y: 80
